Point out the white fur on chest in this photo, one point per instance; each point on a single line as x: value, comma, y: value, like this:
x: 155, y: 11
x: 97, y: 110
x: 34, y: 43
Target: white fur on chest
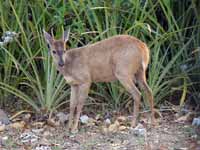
x: 69, y: 79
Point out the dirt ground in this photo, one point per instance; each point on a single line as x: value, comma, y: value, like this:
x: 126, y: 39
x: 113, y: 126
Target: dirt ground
x: 168, y: 135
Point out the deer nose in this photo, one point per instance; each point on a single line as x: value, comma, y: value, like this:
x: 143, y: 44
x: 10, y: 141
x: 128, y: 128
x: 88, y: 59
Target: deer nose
x: 61, y: 63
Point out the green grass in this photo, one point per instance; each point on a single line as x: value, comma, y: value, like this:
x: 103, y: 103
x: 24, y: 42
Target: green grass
x: 170, y: 29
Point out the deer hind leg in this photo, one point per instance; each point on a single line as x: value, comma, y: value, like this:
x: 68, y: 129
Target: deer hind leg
x: 73, y: 103
x: 129, y: 85
x: 83, y: 91
x: 141, y: 80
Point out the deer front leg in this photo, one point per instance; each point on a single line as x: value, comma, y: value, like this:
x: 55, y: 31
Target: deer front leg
x: 83, y: 91
x: 73, y: 103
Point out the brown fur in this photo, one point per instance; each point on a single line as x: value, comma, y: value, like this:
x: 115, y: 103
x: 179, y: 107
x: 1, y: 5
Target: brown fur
x: 121, y: 57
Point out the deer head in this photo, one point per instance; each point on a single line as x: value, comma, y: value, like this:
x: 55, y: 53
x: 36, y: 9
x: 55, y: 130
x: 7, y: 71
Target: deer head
x: 57, y: 47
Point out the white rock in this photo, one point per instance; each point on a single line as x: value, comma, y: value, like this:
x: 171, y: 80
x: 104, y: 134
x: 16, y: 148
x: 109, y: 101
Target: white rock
x: 196, y: 121
x: 5, y: 138
x: 107, y: 121
x: 28, y: 137
x: 139, y: 130
x: 84, y: 119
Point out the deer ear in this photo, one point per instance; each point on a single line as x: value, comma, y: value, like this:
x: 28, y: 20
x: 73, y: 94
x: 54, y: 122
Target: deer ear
x: 48, y: 37
x: 66, y: 35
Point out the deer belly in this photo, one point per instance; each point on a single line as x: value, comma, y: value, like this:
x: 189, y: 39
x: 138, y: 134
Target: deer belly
x: 104, y: 75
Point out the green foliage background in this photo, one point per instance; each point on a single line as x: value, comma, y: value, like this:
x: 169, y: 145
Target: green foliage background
x: 171, y: 29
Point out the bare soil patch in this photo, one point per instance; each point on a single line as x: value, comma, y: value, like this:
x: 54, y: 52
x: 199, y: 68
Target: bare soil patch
x: 168, y: 135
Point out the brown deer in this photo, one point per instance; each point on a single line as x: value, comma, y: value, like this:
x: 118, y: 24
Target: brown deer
x: 122, y: 57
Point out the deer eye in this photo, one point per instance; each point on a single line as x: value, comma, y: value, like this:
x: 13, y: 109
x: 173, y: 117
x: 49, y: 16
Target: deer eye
x: 54, y: 52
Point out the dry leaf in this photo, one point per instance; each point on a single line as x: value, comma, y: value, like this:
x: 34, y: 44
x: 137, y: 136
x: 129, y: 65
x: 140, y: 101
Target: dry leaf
x: 104, y: 130
x: 91, y: 122
x: 2, y: 127
x: 184, y: 118
x: 121, y: 119
x: 27, y: 117
x: 122, y: 128
x: 97, y: 117
x: 18, y: 125
x: 114, y: 127
x: 38, y: 124
x: 52, y: 122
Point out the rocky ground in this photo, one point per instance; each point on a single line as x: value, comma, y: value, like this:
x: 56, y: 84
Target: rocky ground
x: 113, y: 134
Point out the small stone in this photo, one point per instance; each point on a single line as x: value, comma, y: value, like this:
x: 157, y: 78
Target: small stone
x: 194, y: 136
x: 139, y: 130
x: 107, y: 121
x: 62, y: 117
x: 84, y: 119
x: 4, y: 118
x: 28, y: 137
x: 5, y: 138
x: 196, y: 121
x: 27, y: 117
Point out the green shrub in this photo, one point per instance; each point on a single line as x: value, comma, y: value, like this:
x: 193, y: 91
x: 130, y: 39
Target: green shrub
x: 170, y: 28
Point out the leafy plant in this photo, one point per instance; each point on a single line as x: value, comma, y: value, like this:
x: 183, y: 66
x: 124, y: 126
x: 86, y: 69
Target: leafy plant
x: 170, y: 29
